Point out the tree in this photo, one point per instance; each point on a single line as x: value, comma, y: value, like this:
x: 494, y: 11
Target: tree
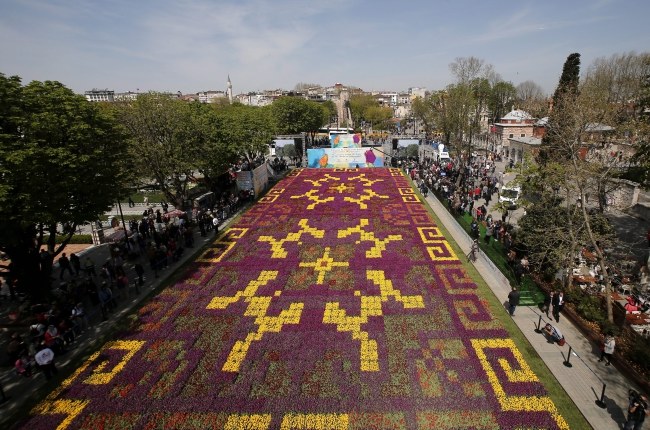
x: 501, y: 98
x: 289, y: 150
x: 330, y: 110
x: 412, y: 150
x: 467, y: 69
x: 165, y: 145
x: 423, y: 110
x: 63, y: 163
x: 620, y: 77
x: 294, y: 115
x: 217, y: 154
x: 563, y: 98
x: 529, y: 90
x: 460, y: 107
x: 246, y: 131
x: 379, y: 117
x: 531, y: 98
x: 582, y: 169
x: 359, y: 104
x: 641, y: 158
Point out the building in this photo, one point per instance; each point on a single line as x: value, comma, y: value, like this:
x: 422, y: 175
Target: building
x: 417, y: 92
x: 229, y: 90
x: 518, y: 147
x: 96, y: 95
x: 210, y: 96
x: 516, y: 124
x: 127, y: 96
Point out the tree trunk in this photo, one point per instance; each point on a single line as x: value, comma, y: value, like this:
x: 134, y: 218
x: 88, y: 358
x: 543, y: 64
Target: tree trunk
x: 599, y: 253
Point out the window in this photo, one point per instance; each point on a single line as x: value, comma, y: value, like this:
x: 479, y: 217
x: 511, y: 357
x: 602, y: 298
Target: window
x: 511, y: 135
x: 523, y: 134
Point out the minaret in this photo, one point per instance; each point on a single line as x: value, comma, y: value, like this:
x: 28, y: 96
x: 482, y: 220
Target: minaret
x: 229, y: 91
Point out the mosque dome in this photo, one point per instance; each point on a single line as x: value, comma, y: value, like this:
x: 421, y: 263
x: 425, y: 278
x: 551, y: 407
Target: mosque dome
x: 517, y: 115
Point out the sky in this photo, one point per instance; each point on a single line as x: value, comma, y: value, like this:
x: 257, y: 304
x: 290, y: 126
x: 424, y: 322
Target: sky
x: 376, y: 45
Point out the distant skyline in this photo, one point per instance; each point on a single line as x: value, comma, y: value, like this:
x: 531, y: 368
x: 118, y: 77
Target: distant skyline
x: 194, y: 45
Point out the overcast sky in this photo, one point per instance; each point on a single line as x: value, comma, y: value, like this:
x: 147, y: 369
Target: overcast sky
x: 193, y: 45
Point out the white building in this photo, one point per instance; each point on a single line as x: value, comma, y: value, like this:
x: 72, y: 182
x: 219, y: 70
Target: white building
x: 417, y: 92
x: 210, y: 96
x: 128, y: 96
x: 96, y: 95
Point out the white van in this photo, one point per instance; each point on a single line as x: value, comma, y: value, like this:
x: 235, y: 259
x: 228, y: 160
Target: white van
x: 510, y: 196
x: 444, y: 157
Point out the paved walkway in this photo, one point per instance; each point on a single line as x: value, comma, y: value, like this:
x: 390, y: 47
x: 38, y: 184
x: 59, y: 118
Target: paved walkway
x: 584, y: 379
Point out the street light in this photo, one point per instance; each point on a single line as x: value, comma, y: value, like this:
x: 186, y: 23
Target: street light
x: 126, y: 237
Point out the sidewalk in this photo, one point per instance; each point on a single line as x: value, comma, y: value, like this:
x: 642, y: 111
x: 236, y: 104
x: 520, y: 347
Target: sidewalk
x: 584, y: 379
x: 19, y: 390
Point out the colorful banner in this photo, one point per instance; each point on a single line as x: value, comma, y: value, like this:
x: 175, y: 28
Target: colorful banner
x: 345, y: 140
x: 344, y: 157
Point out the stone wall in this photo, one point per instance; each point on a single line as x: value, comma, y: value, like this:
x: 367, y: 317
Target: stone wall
x: 625, y: 195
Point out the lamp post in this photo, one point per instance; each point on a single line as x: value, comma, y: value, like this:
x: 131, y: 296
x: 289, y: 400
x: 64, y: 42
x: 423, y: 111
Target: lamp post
x: 126, y: 237
x: 304, y: 150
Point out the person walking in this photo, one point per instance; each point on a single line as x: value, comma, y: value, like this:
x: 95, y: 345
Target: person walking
x: 89, y: 267
x: 64, y: 264
x: 473, y: 252
x: 139, y: 270
x: 558, y: 305
x: 45, y: 360
x: 76, y: 263
x: 513, y: 300
x: 608, y: 349
x: 636, y: 411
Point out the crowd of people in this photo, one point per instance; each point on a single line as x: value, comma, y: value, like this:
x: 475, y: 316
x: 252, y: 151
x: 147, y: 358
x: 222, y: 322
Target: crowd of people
x: 467, y: 190
x: 88, y: 292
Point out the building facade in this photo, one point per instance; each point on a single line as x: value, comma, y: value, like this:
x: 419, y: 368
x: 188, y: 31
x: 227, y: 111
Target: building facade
x: 516, y: 124
x: 96, y: 95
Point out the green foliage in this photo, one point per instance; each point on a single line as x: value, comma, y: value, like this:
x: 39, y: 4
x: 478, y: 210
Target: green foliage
x: 63, y: 162
x: 330, y: 110
x: 365, y: 108
x: 591, y: 308
x: 412, y: 150
x: 640, y: 352
x: 558, y: 126
x: 501, y: 98
x: 546, y: 239
x: 295, y: 115
x: 167, y: 138
x: 288, y: 150
x: 245, y: 130
x: 379, y: 117
x: 569, y: 78
x: 423, y: 111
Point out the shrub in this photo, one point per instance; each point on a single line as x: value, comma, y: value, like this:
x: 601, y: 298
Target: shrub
x: 607, y: 327
x: 591, y: 309
x: 640, y: 352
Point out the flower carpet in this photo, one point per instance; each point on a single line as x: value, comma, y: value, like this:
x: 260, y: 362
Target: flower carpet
x: 333, y: 303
